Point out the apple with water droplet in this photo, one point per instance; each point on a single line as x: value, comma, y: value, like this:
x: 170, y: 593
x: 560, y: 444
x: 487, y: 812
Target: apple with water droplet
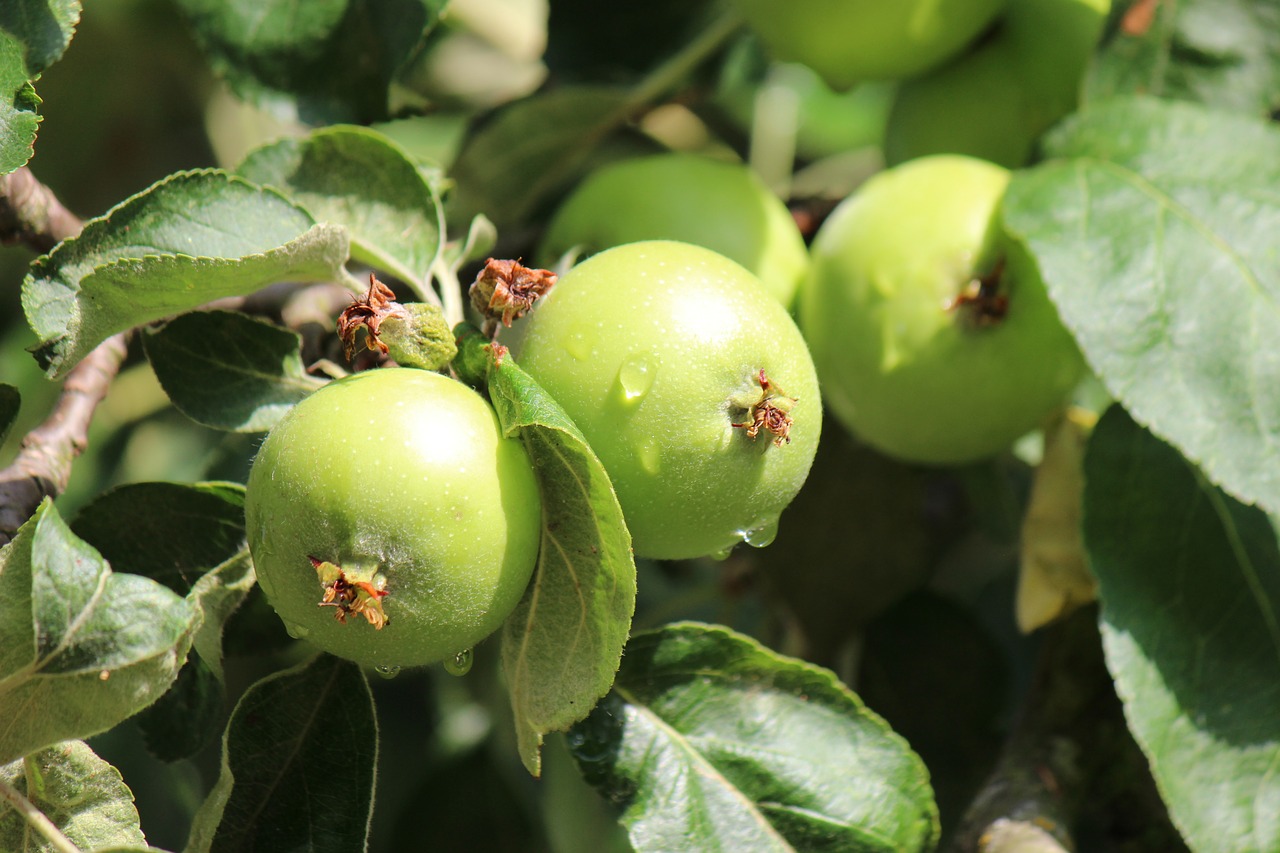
x: 690, y: 382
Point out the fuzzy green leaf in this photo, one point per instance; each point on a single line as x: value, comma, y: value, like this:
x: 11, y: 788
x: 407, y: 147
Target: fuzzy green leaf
x: 562, y: 644
x: 298, y: 762
x: 19, y: 106
x: 359, y: 178
x: 192, y: 238
x: 1189, y: 581
x: 1154, y: 226
x: 710, y: 741
x: 81, y: 647
x: 80, y: 793
x: 326, y: 61
x: 229, y: 371
x: 190, y: 538
x: 44, y: 27
x: 1222, y: 53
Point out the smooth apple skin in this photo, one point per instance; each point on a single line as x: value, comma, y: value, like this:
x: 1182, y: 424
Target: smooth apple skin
x: 719, y: 205
x: 646, y: 346
x: 405, y: 471
x: 901, y: 366
x: 849, y: 41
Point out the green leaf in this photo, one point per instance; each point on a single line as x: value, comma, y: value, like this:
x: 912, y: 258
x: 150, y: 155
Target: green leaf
x: 1154, y: 227
x: 33, y: 34
x: 192, y: 238
x: 326, y: 61
x: 43, y: 27
x: 562, y: 644
x: 187, y: 717
x: 712, y: 742
x: 170, y: 532
x: 531, y: 150
x: 10, y: 402
x: 298, y: 762
x: 81, y: 647
x: 361, y: 179
x: 19, y: 107
x: 431, y: 141
x: 80, y: 793
x: 190, y: 538
x: 1189, y: 581
x: 229, y: 371
x: 1222, y: 53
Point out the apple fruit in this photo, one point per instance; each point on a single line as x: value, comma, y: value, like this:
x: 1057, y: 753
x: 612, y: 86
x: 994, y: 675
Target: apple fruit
x: 389, y: 519
x: 692, y: 385
x: 995, y: 101
x: 848, y: 41
x: 715, y: 204
x: 930, y: 328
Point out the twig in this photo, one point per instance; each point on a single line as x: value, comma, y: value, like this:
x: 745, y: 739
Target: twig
x: 29, y: 212
x: 1069, y: 759
x: 43, y: 465
x: 41, y: 824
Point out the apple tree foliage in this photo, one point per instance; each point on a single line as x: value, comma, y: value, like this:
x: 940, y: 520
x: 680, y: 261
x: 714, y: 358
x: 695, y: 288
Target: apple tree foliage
x: 912, y: 664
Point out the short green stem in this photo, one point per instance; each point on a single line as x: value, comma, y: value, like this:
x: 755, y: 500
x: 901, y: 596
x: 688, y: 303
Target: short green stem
x: 450, y: 292
x: 37, y: 819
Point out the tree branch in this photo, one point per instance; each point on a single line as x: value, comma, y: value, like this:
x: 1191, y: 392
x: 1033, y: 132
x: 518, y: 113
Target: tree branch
x: 30, y: 213
x: 1070, y: 761
x: 43, y: 465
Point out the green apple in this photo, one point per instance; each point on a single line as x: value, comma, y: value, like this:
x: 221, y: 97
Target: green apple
x: 718, y: 205
x: 670, y: 359
x: 931, y: 330
x: 847, y: 41
x: 995, y: 101
x: 827, y: 122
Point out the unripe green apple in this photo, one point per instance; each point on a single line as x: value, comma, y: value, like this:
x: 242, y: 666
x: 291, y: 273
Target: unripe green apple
x: 721, y: 206
x: 689, y: 381
x: 847, y: 41
x: 933, y: 335
x: 995, y: 101
x: 390, y: 521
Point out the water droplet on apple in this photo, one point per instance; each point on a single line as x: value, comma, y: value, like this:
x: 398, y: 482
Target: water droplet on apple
x: 762, y: 533
x: 650, y: 458
x: 636, y: 377
x: 579, y: 347
x: 459, y: 664
x: 387, y: 671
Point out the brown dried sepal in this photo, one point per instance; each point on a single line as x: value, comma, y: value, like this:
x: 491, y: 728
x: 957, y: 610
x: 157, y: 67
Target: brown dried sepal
x: 506, y: 290
x: 770, y: 412
x: 348, y: 596
x: 982, y: 299
x: 367, y: 313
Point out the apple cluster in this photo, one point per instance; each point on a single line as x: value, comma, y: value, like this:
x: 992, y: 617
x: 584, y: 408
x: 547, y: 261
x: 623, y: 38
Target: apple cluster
x: 392, y: 522
x: 979, y: 77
